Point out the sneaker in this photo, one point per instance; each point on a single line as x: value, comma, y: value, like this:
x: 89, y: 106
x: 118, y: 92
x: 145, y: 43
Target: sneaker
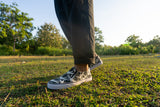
x: 69, y: 79
x: 98, y: 62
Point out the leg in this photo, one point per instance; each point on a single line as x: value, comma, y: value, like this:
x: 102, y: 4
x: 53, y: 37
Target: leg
x: 76, y: 19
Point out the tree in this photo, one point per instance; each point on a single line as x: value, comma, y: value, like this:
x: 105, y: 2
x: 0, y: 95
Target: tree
x: 15, y: 26
x: 66, y: 44
x: 155, y: 42
x: 134, y: 41
x: 151, y: 48
x: 98, y: 40
x: 48, y: 35
x: 98, y: 36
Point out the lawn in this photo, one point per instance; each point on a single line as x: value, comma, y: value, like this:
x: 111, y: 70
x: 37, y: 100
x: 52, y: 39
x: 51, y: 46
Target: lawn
x: 121, y: 81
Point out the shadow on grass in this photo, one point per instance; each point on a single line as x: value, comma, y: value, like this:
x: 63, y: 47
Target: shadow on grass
x: 28, y: 81
x: 23, y: 87
x: 30, y: 88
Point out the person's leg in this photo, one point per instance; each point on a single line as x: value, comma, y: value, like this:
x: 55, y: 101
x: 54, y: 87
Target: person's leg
x: 62, y: 8
x: 76, y: 19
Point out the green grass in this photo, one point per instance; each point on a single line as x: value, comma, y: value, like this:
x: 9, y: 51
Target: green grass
x: 121, y: 81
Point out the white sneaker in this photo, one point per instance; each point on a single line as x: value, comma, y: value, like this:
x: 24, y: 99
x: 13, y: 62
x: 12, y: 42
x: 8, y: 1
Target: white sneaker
x: 69, y: 79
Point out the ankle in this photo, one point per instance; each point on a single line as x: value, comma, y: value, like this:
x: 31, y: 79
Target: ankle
x: 81, y: 67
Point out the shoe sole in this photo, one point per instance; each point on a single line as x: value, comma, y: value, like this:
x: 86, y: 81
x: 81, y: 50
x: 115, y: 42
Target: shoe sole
x: 64, y: 86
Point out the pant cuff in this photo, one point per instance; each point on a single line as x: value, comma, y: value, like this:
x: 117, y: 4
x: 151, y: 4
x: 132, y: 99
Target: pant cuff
x: 84, y: 60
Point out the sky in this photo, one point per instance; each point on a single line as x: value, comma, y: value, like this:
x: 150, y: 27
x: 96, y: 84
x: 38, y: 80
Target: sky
x: 117, y: 19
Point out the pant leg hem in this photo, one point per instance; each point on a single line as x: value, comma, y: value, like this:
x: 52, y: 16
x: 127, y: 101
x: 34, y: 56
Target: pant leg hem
x: 84, y: 60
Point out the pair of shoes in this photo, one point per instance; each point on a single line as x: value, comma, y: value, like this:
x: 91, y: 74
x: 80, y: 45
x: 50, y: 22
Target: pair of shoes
x: 73, y: 77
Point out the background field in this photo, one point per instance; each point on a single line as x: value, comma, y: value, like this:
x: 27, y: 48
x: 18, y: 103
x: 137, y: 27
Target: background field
x: 120, y: 81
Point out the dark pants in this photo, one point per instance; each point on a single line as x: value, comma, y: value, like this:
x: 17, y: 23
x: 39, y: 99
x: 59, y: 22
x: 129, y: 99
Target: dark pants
x: 76, y: 20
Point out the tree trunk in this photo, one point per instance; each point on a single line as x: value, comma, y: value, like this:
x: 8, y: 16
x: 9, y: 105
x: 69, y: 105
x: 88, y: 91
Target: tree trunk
x: 14, y: 43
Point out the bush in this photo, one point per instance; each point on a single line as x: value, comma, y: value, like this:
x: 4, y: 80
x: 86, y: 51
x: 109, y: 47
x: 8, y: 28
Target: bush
x: 125, y: 50
x: 7, y: 50
x: 143, y: 50
x: 53, y: 51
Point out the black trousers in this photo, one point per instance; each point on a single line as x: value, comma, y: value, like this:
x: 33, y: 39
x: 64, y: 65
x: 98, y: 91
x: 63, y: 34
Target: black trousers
x: 77, y: 21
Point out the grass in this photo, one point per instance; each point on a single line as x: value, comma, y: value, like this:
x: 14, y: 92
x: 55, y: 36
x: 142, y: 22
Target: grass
x: 121, y: 81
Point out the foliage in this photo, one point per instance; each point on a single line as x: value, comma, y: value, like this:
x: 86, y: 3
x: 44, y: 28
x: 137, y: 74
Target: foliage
x: 134, y: 41
x: 155, y: 42
x: 66, y: 44
x: 98, y: 39
x: 48, y: 35
x: 7, y: 50
x: 98, y: 36
x: 15, y: 26
x: 53, y: 51
x: 122, y: 81
x: 4, y: 50
x: 127, y: 50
